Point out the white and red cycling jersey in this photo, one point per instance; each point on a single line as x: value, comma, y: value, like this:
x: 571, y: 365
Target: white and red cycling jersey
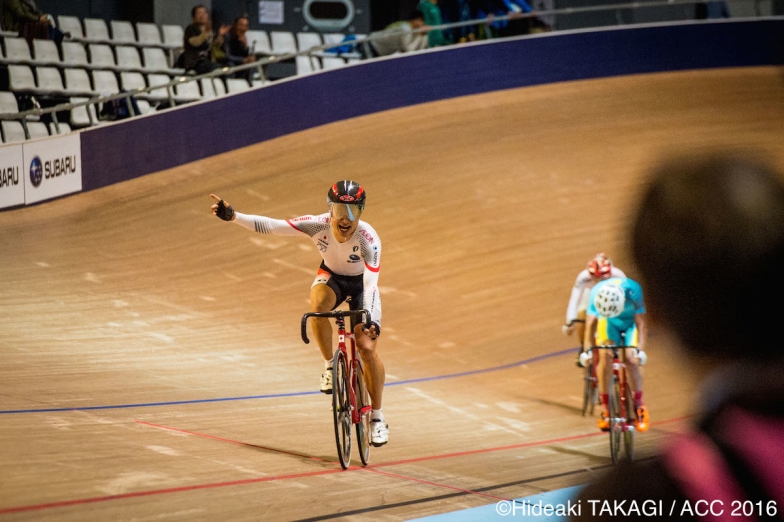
x: 578, y: 301
x: 360, y: 255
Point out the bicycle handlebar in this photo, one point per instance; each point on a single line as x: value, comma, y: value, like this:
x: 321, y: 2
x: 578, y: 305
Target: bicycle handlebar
x: 335, y: 313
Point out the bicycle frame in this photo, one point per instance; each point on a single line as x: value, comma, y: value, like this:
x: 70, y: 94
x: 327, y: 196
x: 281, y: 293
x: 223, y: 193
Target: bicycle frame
x: 621, y: 418
x: 343, y: 336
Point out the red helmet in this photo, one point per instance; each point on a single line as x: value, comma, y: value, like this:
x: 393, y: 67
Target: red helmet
x: 600, y: 266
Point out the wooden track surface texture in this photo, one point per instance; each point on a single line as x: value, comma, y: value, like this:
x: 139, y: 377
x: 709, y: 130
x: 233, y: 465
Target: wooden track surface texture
x: 150, y: 360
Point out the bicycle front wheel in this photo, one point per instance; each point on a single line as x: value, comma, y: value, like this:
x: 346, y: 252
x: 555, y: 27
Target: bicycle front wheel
x: 616, y: 424
x: 628, y: 430
x: 341, y: 408
x: 363, y: 403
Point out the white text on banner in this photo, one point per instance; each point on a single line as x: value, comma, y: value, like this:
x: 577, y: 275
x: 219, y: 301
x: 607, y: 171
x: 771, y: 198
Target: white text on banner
x: 53, y: 168
x: 11, y: 176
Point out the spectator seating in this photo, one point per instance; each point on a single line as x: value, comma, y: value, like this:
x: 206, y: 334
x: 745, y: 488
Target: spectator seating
x: 105, y: 82
x: 305, y: 64
x: 283, y: 42
x: 220, y: 86
x: 13, y: 132
x: 259, y: 42
x: 186, y: 92
x: 332, y: 62
x: 37, y: 129
x: 308, y: 40
x: 173, y: 35
x: 8, y: 103
x: 64, y: 128
x: 20, y: 79
x: 77, y: 82
x: 74, y: 54
x: 128, y: 58
x: 162, y: 94
x: 49, y: 81
x: 45, y: 53
x: 122, y: 32
x: 237, y: 85
x: 82, y: 116
x: 149, y: 35
x: 207, y: 86
x: 101, y: 58
x: 16, y: 50
x: 96, y: 30
x: 71, y: 24
x: 155, y: 61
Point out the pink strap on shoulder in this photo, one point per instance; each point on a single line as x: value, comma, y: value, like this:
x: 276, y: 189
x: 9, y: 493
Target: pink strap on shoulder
x: 699, y: 468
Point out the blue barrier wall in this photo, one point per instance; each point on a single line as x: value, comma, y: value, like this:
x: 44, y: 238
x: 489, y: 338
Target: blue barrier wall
x: 123, y: 151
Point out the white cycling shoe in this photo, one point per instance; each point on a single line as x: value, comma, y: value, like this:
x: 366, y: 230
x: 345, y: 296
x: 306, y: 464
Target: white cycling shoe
x: 326, y: 382
x: 379, y: 432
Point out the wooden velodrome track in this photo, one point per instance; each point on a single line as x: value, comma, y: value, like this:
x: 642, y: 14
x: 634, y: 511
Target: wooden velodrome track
x: 151, y: 366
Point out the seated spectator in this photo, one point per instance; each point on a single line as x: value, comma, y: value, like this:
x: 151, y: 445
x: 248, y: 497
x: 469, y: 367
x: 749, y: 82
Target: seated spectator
x: 400, y: 37
x: 24, y: 17
x: 432, y: 16
x: 458, y: 11
x: 514, y: 9
x: 233, y: 47
x: 708, y: 240
x: 197, y: 42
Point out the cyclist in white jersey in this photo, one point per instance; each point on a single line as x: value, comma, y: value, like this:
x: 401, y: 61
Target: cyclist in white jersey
x: 351, y: 252
x: 598, y: 269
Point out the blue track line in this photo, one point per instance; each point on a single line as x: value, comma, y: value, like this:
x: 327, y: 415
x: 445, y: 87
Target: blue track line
x: 294, y: 394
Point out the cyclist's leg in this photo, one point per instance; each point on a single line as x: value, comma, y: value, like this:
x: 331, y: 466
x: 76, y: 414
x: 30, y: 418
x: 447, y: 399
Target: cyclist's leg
x: 323, y: 299
x: 606, y: 334
x: 634, y: 373
x: 374, y: 366
x: 632, y: 368
x: 374, y: 372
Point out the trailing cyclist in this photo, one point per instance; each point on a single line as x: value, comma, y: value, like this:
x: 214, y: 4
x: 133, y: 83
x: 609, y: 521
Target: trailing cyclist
x: 616, y: 316
x: 598, y: 269
x: 351, y: 252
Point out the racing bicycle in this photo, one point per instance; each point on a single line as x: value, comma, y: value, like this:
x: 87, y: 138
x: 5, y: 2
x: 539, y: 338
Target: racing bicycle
x: 350, y: 399
x: 621, y: 404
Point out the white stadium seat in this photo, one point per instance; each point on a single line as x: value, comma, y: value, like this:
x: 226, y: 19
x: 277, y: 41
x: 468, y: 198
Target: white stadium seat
x: 96, y: 30
x: 13, y: 132
x: 148, y: 33
x: 283, y: 42
x: 122, y: 31
x: 71, y: 24
x: 74, y: 53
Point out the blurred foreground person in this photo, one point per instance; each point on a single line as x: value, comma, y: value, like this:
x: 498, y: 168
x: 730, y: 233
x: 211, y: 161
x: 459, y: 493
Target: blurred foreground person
x: 708, y: 240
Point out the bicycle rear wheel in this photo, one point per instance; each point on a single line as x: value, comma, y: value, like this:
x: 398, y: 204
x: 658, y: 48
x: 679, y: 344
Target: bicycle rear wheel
x: 629, y: 431
x: 616, y: 425
x: 341, y: 408
x: 363, y: 427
